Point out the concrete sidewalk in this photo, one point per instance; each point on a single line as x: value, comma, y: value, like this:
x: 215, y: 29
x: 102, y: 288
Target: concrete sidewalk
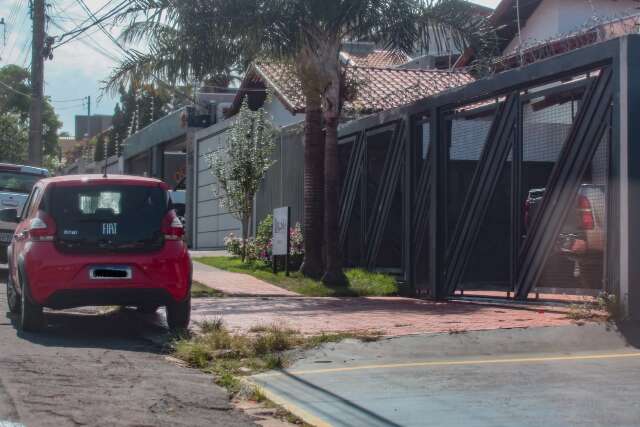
x: 236, y: 284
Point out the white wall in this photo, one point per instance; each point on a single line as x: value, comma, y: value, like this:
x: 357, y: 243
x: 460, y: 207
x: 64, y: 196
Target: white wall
x: 556, y: 17
x: 280, y: 115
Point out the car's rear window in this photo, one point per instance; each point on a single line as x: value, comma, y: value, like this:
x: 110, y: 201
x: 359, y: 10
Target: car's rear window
x: 16, y: 182
x: 109, y: 218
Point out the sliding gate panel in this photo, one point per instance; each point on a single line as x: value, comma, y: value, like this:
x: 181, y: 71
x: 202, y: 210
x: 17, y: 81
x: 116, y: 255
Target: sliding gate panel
x: 566, y: 221
x: 372, y: 198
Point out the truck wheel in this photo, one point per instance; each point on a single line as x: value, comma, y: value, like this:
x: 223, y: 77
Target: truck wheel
x: 591, y: 272
x: 32, y: 316
x: 179, y: 314
x: 12, y: 296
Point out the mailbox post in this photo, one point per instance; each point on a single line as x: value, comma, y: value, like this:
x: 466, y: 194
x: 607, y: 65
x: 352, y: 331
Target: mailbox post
x: 280, y: 239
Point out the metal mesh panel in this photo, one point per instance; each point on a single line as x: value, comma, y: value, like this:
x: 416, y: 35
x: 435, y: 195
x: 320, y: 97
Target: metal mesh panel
x: 378, y: 156
x: 577, y: 259
x: 468, y: 138
x: 489, y: 266
x: 377, y: 149
x: 352, y: 245
x: 545, y: 130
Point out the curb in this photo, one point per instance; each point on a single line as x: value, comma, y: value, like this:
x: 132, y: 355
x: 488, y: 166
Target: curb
x: 304, y: 415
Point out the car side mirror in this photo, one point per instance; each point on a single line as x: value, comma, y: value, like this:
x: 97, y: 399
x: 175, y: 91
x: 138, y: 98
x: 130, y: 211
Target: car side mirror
x: 9, y: 215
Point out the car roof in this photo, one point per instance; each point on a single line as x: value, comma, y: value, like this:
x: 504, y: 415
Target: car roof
x: 102, y: 180
x: 32, y: 170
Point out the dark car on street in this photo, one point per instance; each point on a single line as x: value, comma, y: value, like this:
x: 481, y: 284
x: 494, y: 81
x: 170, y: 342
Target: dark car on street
x: 16, y: 182
x: 89, y: 240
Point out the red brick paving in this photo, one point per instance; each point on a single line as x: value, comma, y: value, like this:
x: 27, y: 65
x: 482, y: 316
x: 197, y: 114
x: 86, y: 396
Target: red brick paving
x: 390, y: 316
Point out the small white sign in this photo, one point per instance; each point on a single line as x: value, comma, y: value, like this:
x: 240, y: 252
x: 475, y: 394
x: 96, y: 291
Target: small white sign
x: 280, y: 242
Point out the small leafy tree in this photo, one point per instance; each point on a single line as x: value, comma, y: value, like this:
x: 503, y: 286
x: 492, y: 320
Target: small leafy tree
x: 240, y: 165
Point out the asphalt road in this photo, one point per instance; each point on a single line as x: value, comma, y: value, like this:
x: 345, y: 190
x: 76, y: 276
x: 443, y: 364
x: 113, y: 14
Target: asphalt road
x: 561, y: 376
x: 101, y: 370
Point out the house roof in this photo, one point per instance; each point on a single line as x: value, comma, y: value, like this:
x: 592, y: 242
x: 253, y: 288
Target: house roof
x: 377, y: 88
x: 376, y: 58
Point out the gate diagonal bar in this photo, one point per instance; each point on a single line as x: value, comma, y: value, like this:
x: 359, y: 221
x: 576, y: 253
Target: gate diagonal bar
x: 483, y: 185
x: 575, y: 157
x: 423, y: 198
x: 351, y: 185
x: 389, y: 179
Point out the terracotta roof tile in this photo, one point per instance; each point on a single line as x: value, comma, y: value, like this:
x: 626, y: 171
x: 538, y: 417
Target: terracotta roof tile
x: 376, y: 58
x: 377, y: 88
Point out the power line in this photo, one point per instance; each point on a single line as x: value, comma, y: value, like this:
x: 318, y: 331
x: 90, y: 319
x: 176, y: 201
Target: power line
x: 81, y: 29
x: 87, y: 41
x: 28, y: 95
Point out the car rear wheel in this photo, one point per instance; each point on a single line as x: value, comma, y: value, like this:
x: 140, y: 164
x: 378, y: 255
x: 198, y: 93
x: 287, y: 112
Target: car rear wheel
x: 12, y: 296
x: 32, y: 316
x: 179, y: 314
x: 591, y: 273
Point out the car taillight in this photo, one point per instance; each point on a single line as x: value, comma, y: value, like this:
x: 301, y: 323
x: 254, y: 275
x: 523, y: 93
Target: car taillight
x: 585, y: 214
x: 42, y: 228
x: 172, y: 227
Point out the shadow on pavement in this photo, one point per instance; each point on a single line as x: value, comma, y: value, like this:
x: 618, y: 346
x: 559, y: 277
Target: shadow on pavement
x: 117, y: 329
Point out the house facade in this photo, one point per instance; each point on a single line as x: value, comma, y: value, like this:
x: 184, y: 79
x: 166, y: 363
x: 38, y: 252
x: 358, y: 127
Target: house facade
x: 382, y: 84
x: 545, y: 20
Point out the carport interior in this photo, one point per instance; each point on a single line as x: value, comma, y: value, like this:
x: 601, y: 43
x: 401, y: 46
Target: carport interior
x: 511, y: 183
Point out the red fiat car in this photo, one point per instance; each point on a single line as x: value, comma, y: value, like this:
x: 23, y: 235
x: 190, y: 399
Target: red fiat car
x: 90, y: 240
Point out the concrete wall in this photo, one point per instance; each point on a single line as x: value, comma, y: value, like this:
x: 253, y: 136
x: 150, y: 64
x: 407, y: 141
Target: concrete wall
x: 554, y: 17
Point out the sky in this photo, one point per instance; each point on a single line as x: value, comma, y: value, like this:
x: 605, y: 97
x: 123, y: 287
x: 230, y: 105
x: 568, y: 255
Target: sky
x: 78, y: 67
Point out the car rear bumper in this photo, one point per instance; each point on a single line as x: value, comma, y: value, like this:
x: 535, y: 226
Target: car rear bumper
x: 60, y: 280
x: 69, y: 298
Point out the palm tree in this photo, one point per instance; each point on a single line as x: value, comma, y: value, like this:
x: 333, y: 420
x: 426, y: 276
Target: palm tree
x: 309, y: 35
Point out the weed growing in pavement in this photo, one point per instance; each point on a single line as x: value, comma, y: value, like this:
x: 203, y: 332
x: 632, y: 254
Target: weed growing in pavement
x: 229, y: 357
x: 211, y: 325
x: 604, y: 303
x: 223, y: 353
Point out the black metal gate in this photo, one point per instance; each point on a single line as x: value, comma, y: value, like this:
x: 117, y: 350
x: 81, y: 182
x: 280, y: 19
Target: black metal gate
x: 501, y: 185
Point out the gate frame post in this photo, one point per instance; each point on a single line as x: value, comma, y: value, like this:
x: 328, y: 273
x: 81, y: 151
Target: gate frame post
x: 407, y: 185
x: 438, y: 205
x: 627, y: 134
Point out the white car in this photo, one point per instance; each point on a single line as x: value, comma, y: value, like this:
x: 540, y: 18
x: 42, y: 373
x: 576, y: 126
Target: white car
x: 16, y: 183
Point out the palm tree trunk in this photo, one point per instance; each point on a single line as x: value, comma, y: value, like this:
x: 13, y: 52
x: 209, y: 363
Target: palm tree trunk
x: 333, y: 274
x: 313, y: 189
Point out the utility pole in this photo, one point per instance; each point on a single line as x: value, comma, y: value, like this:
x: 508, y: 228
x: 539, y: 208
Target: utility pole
x: 37, y: 84
x: 4, y: 32
x: 88, y: 117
